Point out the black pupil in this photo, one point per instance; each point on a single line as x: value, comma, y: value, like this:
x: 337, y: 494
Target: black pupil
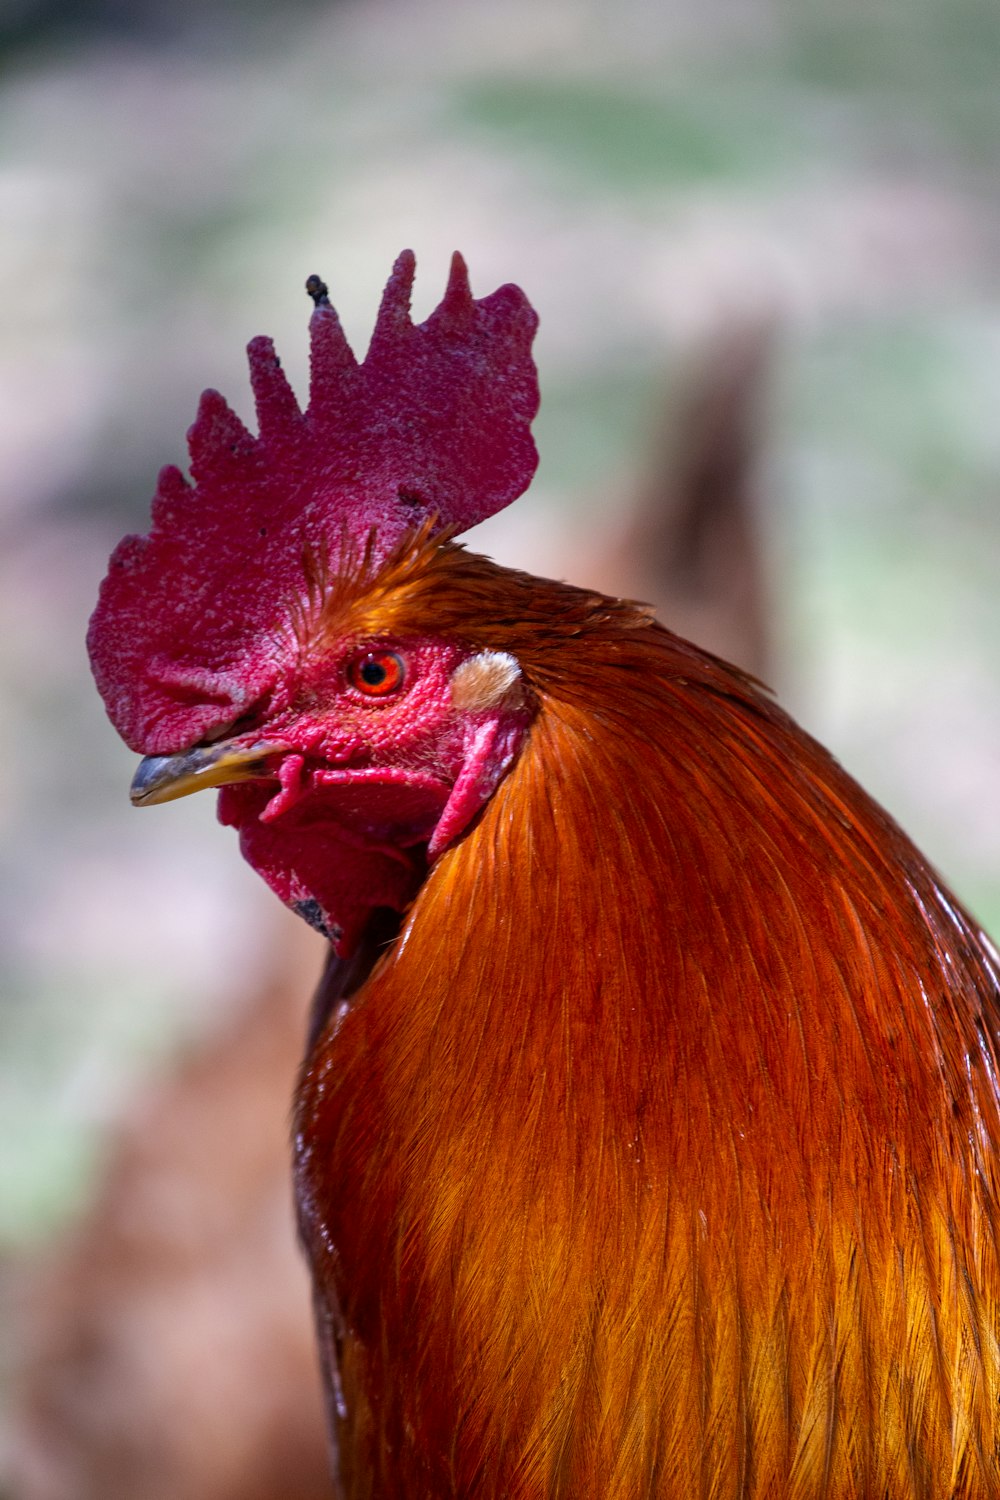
x: 373, y: 673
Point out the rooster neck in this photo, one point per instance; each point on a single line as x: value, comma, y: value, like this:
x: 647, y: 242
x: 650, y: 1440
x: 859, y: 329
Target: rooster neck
x: 686, y: 1001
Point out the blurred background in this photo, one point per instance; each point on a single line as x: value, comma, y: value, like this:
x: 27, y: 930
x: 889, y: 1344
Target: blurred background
x: 768, y: 227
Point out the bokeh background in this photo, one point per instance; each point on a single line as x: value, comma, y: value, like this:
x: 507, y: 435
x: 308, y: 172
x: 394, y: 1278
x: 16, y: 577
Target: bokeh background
x: 648, y: 170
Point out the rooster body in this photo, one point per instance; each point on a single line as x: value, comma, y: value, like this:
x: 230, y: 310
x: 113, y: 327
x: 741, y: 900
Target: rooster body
x: 657, y: 1156
x: 649, y: 1150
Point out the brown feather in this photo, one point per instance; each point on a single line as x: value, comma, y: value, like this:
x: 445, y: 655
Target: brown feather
x: 658, y: 1156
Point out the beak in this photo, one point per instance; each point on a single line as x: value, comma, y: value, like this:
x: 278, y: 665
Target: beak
x: 162, y: 778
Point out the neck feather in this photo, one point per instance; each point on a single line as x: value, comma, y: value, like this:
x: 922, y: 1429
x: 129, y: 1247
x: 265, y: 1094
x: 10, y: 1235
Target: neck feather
x: 682, y: 999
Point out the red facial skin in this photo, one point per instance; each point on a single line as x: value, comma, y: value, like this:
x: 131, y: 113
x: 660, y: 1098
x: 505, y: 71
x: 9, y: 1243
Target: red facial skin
x: 371, y: 783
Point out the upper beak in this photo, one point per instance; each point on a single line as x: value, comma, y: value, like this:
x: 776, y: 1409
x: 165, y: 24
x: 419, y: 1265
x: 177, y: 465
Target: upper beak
x: 161, y: 778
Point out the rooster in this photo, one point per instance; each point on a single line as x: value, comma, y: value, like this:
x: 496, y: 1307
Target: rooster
x: 645, y: 1144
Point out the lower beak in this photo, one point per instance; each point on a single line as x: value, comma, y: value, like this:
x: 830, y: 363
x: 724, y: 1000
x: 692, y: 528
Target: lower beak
x: 161, y: 778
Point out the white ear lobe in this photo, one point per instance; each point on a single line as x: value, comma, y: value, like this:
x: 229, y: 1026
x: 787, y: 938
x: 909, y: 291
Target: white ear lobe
x: 484, y: 680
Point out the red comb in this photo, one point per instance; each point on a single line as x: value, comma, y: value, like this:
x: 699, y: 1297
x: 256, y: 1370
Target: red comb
x: 192, y: 619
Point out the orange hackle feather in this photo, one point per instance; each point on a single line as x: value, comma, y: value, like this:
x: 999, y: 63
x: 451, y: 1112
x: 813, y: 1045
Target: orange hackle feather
x: 657, y: 1157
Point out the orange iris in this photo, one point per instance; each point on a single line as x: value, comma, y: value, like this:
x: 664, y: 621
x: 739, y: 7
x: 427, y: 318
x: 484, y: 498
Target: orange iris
x: 376, y: 673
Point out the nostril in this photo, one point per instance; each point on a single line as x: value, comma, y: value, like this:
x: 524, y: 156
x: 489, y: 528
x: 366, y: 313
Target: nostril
x: 223, y: 731
x: 253, y: 717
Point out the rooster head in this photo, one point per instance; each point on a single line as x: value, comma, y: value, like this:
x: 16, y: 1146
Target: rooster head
x: 257, y: 640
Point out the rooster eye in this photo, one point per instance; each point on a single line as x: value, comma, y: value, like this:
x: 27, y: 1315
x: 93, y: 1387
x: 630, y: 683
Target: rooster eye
x: 376, y: 673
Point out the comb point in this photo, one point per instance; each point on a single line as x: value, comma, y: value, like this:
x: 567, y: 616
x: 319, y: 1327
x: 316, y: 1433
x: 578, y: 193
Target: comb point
x: 215, y: 430
x: 457, y: 308
x: 331, y: 358
x: 172, y: 490
x: 394, y: 311
x: 278, y: 409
